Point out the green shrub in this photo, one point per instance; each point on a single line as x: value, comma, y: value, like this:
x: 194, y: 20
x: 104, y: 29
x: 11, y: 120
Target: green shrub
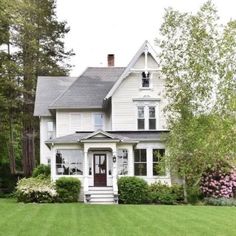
x: 7, y: 180
x: 164, y: 194
x: 220, y: 201
x: 133, y: 190
x: 41, y: 170
x: 68, y: 189
x: 35, y: 190
x: 194, y: 194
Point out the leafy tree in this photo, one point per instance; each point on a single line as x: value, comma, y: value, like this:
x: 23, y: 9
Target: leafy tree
x: 196, y: 61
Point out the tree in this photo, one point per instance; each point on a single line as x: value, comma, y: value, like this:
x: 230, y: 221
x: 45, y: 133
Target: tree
x: 9, y: 90
x: 38, y: 36
x: 32, y: 30
x: 196, y: 60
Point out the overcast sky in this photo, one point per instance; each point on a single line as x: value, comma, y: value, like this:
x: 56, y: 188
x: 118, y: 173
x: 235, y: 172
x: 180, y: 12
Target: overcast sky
x: 100, y: 27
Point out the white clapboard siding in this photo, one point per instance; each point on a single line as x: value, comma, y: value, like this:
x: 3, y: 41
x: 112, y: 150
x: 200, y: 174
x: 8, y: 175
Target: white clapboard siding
x: 124, y: 109
x: 69, y: 122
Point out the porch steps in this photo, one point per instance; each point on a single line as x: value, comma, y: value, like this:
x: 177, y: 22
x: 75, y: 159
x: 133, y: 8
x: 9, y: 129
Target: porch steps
x: 101, y: 195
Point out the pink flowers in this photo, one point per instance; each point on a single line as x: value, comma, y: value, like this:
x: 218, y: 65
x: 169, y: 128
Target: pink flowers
x: 217, y: 184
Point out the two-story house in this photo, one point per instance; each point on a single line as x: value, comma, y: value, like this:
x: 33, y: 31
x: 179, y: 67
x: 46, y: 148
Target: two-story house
x: 104, y: 124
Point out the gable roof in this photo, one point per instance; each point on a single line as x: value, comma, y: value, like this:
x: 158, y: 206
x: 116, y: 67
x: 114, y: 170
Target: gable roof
x: 48, y: 89
x: 145, y: 46
x: 99, y: 134
x: 89, y: 90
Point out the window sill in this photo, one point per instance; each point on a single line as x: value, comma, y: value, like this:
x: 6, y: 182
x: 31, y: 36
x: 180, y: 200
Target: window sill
x: 145, y: 88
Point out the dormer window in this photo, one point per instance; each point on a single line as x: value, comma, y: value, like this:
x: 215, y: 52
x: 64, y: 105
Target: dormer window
x: 145, y: 79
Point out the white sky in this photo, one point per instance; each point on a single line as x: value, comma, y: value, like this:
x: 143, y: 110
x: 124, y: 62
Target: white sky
x: 100, y: 27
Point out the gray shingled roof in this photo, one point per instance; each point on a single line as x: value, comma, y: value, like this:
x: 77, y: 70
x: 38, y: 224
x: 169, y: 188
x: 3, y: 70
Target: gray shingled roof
x: 89, y: 90
x: 122, y: 135
x: 48, y: 89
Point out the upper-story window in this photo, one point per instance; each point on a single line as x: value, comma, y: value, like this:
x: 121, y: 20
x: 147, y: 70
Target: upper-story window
x: 141, y: 118
x: 98, y: 121
x: 146, y: 119
x: 152, y: 117
x: 145, y: 79
x: 50, y: 129
x: 75, y: 121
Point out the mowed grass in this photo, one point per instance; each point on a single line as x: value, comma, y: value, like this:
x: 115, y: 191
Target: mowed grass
x: 18, y: 219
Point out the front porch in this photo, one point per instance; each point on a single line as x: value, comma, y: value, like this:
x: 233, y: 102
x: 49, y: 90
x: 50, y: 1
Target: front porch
x: 100, y: 158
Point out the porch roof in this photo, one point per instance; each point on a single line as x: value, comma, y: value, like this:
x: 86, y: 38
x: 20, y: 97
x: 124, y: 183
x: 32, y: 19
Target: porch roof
x: 118, y: 136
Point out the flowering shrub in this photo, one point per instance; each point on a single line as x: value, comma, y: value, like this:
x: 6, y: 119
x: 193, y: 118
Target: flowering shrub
x: 219, y: 184
x: 35, y: 190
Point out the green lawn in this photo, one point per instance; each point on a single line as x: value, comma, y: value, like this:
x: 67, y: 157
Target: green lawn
x: 80, y: 219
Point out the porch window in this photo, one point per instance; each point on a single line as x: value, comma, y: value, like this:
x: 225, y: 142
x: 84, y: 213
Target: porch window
x: 140, y: 162
x: 141, y: 118
x: 158, y: 168
x: 152, y: 118
x: 98, y: 121
x: 122, y: 162
x: 69, y: 162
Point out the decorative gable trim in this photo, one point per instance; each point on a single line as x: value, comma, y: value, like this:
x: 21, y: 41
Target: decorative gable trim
x: 98, y: 134
x: 145, y: 48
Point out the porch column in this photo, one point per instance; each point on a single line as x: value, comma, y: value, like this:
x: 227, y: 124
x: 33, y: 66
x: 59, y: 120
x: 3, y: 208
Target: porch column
x: 114, y: 176
x: 53, y: 163
x: 85, y: 172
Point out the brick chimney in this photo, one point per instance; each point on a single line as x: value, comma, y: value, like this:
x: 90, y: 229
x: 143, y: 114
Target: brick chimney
x: 110, y: 60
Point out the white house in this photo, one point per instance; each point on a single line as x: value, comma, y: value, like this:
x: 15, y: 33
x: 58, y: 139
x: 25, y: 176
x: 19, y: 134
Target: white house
x: 104, y: 124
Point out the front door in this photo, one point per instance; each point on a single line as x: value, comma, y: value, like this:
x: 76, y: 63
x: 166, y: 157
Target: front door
x: 100, y: 169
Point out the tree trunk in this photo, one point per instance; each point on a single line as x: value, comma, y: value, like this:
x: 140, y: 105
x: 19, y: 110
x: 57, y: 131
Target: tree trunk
x: 28, y: 151
x: 185, y: 190
x: 11, y: 152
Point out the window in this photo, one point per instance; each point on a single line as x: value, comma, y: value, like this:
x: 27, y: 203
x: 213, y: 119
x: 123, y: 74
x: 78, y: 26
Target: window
x: 140, y: 162
x: 75, y: 122
x: 145, y: 79
x: 146, y: 119
x: 98, y: 121
x: 51, y: 133
x: 152, y: 118
x: 141, y: 120
x: 122, y: 162
x: 69, y: 162
x: 158, y: 168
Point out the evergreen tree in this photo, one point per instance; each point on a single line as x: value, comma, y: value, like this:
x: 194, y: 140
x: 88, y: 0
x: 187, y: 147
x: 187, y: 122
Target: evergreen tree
x: 39, y: 40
